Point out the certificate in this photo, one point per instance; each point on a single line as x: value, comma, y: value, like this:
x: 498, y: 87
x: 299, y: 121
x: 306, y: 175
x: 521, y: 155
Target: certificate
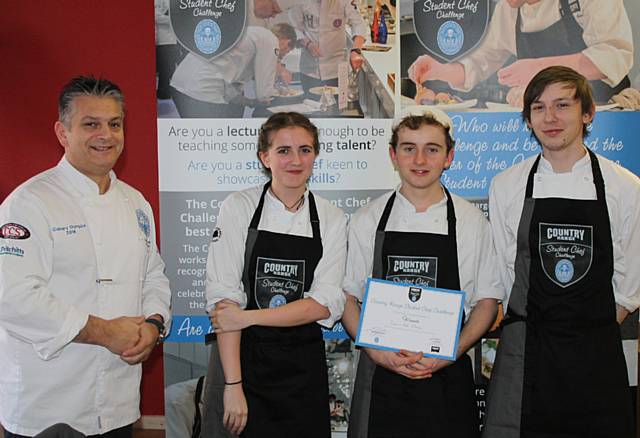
x: 399, y: 316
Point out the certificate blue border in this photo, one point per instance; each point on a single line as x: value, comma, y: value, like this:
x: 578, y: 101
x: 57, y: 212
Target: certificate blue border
x: 380, y: 347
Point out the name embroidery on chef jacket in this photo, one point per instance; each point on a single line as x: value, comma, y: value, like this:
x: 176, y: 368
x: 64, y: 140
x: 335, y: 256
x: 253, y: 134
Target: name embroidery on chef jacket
x: 278, y: 281
x: 421, y: 271
x: 566, y: 252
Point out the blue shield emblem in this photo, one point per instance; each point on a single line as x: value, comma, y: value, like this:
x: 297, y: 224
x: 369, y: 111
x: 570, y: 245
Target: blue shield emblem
x: 207, y: 29
x: 450, y: 30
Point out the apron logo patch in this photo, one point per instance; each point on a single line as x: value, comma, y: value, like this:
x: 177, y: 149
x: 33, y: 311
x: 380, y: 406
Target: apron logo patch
x: 217, y: 233
x: 414, y: 294
x: 143, y: 222
x: 14, y: 231
x: 566, y: 252
x: 337, y: 23
x: 278, y: 281
x: 564, y: 271
x: 421, y: 271
x: 277, y: 301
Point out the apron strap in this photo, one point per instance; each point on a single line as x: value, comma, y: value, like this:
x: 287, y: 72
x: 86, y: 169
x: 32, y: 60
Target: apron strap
x: 376, y: 272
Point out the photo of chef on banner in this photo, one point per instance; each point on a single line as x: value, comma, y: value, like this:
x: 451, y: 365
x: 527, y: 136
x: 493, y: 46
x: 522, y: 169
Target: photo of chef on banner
x: 449, y: 58
x: 253, y: 58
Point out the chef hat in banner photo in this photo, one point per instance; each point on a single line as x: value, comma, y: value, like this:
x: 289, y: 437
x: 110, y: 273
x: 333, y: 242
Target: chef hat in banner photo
x: 207, y: 28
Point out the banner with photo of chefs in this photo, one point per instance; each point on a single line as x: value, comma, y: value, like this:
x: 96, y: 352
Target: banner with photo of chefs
x: 313, y: 57
x: 296, y: 55
x: 447, y: 57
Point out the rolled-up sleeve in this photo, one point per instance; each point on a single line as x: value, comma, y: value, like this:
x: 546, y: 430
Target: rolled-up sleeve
x: 29, y: 311
x: 360, y: 255
x: 326, y: 288
x: 225, y: 260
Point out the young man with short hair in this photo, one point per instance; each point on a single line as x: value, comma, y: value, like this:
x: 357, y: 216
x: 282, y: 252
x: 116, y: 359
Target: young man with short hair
x: 565, y: 228
x: 404, y: 394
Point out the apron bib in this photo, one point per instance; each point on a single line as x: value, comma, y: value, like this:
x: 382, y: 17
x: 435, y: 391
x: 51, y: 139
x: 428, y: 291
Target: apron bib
x: 386, y: 404
x: 284, y: 369
x: 565, y: 374
x: 564, y: 37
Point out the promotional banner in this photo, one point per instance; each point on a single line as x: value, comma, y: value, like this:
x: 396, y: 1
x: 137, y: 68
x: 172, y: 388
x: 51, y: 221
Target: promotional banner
x: 208, y: 127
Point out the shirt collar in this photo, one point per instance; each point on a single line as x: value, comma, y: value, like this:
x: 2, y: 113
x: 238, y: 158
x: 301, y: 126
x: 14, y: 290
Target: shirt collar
x: 407, y: 206
x: 84, y: 185
x: 582, y: 164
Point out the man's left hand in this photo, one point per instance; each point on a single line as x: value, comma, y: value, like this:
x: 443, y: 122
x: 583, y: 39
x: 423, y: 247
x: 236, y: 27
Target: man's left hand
x: 141, y: 351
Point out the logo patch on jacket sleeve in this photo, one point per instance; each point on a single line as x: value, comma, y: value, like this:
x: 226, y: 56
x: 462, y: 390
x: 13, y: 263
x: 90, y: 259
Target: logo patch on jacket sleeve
x: 143, y: 222
x: 14, y: 231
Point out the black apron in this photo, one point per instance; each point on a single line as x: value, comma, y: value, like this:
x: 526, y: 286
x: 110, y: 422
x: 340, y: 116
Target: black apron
x: 564, y: 37
x: 284, y: 369
x: 560, y: 369
x: 386, y: 404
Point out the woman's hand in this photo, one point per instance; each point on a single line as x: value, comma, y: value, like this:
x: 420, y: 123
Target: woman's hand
x: 235, y: 409
x: 228, y: 317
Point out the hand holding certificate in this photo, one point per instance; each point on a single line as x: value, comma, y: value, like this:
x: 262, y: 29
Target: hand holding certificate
x: 398, y: 316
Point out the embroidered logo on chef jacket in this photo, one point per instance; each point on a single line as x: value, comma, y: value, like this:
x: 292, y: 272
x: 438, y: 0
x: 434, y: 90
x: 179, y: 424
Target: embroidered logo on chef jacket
x: 143, y: 222
x: 14, y: 231
x: 207, y: 36
x: 11, y: 250
x: 566, y: 252
x: 216, y: 235
x: 311, y: 21
x: 421, y: 271
x: 278, y: 281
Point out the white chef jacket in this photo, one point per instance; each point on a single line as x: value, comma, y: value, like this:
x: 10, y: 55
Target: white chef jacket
x: 476, y: 257
x: 607, y: 34
x: 622, y: 188
x: 225, y: 262
x: 164, y: 31
x: 218, y: 81
x: 325, y: 23
x: 86, y: 254
x: 252, y: 20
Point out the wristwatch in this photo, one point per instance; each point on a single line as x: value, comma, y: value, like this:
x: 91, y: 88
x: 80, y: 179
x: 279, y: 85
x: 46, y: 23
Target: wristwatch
x: 358, y: 51
x: 160, y: 326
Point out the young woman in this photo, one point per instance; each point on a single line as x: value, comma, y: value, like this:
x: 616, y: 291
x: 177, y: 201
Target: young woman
x: 274, y: 275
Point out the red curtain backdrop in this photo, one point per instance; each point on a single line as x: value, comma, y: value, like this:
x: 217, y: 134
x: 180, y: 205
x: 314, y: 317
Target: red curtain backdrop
x: 42, y: 45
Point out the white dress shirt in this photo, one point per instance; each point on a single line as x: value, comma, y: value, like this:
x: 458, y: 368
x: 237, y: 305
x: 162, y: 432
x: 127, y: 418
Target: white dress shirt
x: 225, y: 262
x: 221, y: 79
x: 622, y: 188
x: 607, y: 34
x: 476, y: 258
x: 86, y: 254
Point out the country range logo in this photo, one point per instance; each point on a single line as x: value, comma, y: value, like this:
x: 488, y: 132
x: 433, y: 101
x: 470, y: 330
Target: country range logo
x: 566, y: 252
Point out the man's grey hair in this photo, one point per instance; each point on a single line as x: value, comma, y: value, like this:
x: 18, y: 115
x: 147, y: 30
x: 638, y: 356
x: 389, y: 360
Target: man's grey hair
x: 85, y: 86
